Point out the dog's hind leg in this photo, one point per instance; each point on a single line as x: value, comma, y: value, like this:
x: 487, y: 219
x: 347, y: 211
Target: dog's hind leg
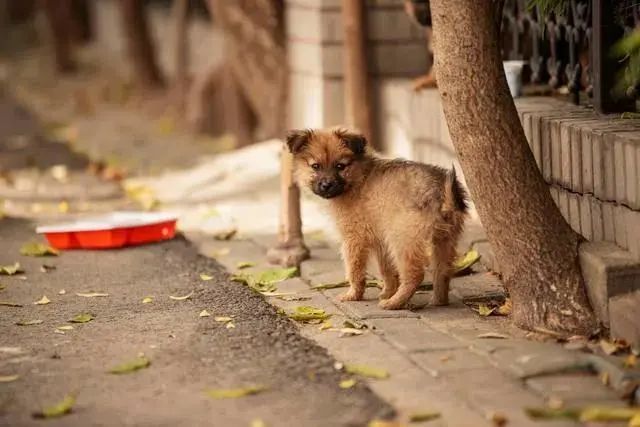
x: 411, y: 262
x: 389, y: 273
x: 444, y: 254
x: 355, y: 254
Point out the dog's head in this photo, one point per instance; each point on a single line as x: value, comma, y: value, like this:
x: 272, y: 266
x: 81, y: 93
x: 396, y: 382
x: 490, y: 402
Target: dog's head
x: 329, y: 162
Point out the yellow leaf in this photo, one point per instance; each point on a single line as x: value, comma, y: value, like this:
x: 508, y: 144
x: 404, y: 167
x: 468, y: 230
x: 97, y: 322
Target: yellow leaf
x: 223, y: 319
x: 10, y: 304
x: 609, y: 347
x: 367, y: 371
x: 347, y: 383
x: 147, y: 300
x: 230, y: 325
x: 204, y: 313
x: 493, y: 335
x: 29, y: 322
x: 65, y: 328
x: 58, y: 410
x: 383, y: 423
x: 62, y: 292
x: 226, y: 234
x: 245, y: 264
x: 42, y: 301
x: 234, y: 393
x: 38, y: 249
x: 136, y: 364
x: 420, y: 417
x: 8, y: 378
x: 205, y: 277
x: 635, y: 421
x: 10, y: 270
x: 606, y: 414
x: 307, y: 313
x: 63, y: 207
x: 91, y: 294
x: 484, y: 310
x: 631, y: 361
x: 220, y: 252
x: 82, y: 318
x: 466, y: 261
x: 258, y: 423
x: 182, y: 298
x: 506, y: 309
x: 325, y: 325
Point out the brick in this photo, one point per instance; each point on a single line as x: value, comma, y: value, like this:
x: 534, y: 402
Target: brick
x: 563, y: 203
x: 576, y: 159
x: 574, y: 212
x: 533, y: 138
x: 587, y: 159
x: 406, y: 59
x: 619, y: 166
x: 608, y: 222
x: 632, y: 228
x: 586, y: 221
x: 623, y: 310
x: 555, y: 194
x: 390, y: 24
x: 368, y: 309
x: 444, y: 361
x: 572, y: 388
x: 619, y: 217
x: 565, y: 155
x: 545, y: 142
x: 632, y: 173
x: 597, y: 220
x: 556, y: 152
x: 413, y: 335
x: 608, y: 271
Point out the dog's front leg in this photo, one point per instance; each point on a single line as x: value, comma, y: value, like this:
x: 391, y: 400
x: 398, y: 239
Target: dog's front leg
x: 355, y: 257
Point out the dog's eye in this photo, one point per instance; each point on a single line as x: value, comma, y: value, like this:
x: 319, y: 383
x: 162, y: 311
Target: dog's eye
x: 341, y: 166
x: 315, y: 166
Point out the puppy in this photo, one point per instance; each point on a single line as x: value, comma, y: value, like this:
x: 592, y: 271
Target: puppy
x: 405, y: 213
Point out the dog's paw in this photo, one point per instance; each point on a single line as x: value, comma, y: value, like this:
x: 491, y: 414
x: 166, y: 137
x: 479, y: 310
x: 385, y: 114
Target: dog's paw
x: 390, y: 304
x: 350, y: 295
x: 386, y: 294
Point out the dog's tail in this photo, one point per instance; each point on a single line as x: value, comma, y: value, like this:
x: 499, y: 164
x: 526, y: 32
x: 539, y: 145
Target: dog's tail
x: 455, y: 196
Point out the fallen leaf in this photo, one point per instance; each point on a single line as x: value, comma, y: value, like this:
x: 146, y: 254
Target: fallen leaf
x: 258, y: 423
x: 226, y: 234
x: 506, y: 308
x: 292, y: 298
x: 630, y: 361
x: 606, y: 414
x: 205, y: 277
x: 136, y: 364
x: 555, y: 403
x: 466, y: 261
x: 493, y: 335
x: 63, y: 207
x: 350, y: 323
x: 553, y: 414
x: 223, y: 319
x: 484, y: 310
x: 446, y: 358
x: 307, y: 313
x: 325, y: 325
x: 497, y: 419
x: 234, y: 393
x: 82, y: 318
x: 230, y: 325
x: 10, y: 304
x: 384, y: 423
x: 347, y: 383
x: 45, y: 268
x: 2, y: 287
x: 65, y: 327
x: 60, y: 173
x: 220, y: 252
x: 275, y: 275
x: 143, y: 195
x: 350, y: 332
x: 166, y: 125
x: 57, y: 410
x: 10, y: 270
x: 181, y: 298
x: 91, y: 294
x: 204, y: 313
x: 58, y: 331
x: 147, y: 300
x: 42, y: 301
x: 420, y: 417
x: 38, y: 249
x: 8, y: 378
x: 604, y: 378
x: 635, y: 421
x: 62, y: 292
x: 367, y: 371
x: 29, y: 322
x: 245, y: 264
x: 342, y: 284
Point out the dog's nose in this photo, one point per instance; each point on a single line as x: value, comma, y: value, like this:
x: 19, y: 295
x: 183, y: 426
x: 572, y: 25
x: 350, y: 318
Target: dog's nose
x: 325, y: 185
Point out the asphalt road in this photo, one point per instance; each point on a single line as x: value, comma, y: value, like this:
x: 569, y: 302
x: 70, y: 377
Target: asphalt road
x: 189, y: 354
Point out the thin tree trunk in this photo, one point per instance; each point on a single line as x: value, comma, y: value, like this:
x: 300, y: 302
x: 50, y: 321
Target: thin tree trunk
x: 537, y: 249
x: 356, y: 71
x: 59, y: 16
x: 82, y: 24
x: 139, y: 44
x: 180, y: 17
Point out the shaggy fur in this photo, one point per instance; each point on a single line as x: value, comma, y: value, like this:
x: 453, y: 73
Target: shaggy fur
x: 406, y: 214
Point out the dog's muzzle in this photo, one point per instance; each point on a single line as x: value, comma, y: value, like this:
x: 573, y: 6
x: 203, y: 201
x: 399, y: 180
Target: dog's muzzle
x: 328, y: 188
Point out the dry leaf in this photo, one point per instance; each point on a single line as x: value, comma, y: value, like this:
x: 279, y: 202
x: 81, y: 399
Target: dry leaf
x: 29, y: 322
x: 493, y: 335
x: 82, y: 318
x: 367, y: 371
x: 604, y: 378
x: 2, y: 287
x: 230, y: 325
x: 245, y: 264
x: 349, y: 332
x: 342, y: 284
x: 65, y: 328
x: 612, y: 347
x: 204, y: 313
x: 420, y: 417
x: 497, y: 419
x: 38, y: 249
x: 484, y: 310
x: 45, y: 268
x: 8, y: 378
x: 635, y: 421
x: 57, y: 410
x: 350, y: 323
x: 606, y: 414
x: 181, y: 298
x: 325, y: 325
x: 223, y: 319
x: 630, y: 361
x: 226, y: 234
x: 290, y: 297
x: 307, y: 313
x: 220, y: 252
x: 384, y: 423
x: 136, y: 364
x: 205, y: 277
x: 552, y: 414
x: 344, y: 384
x: 91, y: 294
x: 10, y: 304
x: 10, y: 270
x: 42, y: 301
x: 506, y: 309
x: 258, y: 423
x: 62, y: 292
x: 63, y: 207
x: 234, y: 393
x: 466, y: 261
x: 147, y: 300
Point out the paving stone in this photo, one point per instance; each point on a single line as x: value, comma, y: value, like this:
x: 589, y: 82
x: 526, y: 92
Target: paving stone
x: 620, y: 226
x: 587, y: 158
x: 367, y: 309
x: 412, y: 335
x: 477, y: 286
x: 574, y: 212
x: 608, y: 222
x: 623, y: 313
x: 619, y: 375
x: 597, y: 220
x: 572, y: 388
x: 563, y: 203
x: 440, y: 362
x: 632, y: 173
x: 632, y: 226
x: 586, y: 221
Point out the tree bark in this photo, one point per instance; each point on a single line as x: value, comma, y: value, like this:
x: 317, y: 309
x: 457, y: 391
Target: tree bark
x: 536, y: 248
x: 139, y: 44
x: 180, y: 17
x: 59, y: 16
x: 356, y: 71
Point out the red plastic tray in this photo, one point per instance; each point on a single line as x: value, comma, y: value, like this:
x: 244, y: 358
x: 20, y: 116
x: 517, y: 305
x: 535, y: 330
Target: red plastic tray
x: 111, y: 231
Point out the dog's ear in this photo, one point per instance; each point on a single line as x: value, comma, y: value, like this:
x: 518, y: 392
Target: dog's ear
x: 298, y: 139
x: 354, y: 141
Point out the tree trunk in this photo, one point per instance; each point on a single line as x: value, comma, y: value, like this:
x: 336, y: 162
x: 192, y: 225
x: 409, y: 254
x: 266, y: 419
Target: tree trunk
x: 82, y: 24
x: 139, y: 44
x: 59, y: 16
x: 356, y: 71
x: 180, y: 17
x: 536, y: 248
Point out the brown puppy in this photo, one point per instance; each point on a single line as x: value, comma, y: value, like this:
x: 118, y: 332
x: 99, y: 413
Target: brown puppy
x: 405, y: 213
